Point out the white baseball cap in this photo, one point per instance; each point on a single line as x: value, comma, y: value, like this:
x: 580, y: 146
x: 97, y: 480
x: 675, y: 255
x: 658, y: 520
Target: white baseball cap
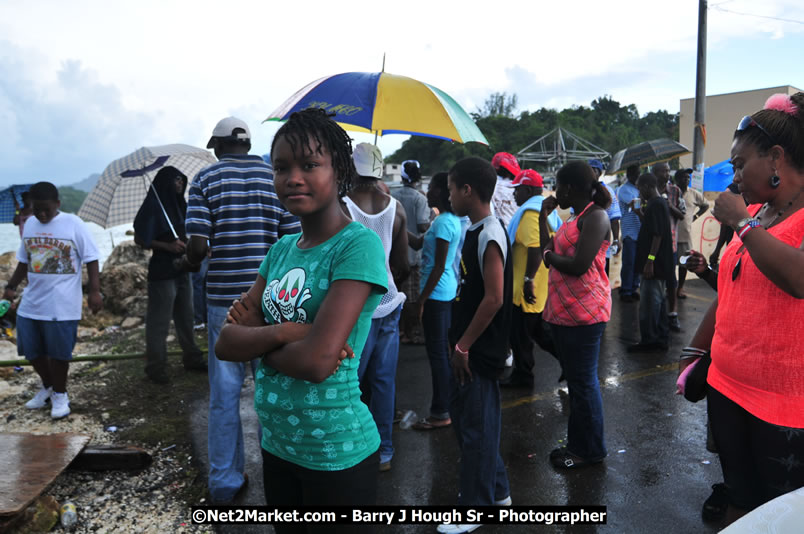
x: 226, y: 127
x: 368, y: 160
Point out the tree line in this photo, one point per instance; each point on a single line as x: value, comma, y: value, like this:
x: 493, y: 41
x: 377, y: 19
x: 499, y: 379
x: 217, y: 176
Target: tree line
x: 605, y: 123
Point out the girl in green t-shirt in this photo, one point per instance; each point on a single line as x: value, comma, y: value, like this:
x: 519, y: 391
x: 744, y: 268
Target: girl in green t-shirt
x: 308, y: 315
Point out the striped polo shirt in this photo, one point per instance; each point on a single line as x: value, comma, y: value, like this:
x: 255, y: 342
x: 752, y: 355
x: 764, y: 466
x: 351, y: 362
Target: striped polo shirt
x: 233, y: 204
x: 629, y: 224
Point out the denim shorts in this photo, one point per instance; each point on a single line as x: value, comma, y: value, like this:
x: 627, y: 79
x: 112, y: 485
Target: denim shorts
x: 54, y: 339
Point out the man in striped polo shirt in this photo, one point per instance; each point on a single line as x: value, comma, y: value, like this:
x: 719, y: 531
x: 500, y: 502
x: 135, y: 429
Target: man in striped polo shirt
x: 233, y: 210
x: 626, y: 195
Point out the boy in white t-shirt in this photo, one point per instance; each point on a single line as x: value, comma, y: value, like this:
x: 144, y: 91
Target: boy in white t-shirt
x: 54, y: 246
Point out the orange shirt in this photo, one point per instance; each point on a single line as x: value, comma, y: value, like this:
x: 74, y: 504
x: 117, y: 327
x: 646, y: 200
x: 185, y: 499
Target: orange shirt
x: 758, y: 346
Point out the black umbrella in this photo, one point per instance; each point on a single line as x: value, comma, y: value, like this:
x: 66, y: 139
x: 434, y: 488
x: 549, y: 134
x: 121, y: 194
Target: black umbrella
x: 646, y: 153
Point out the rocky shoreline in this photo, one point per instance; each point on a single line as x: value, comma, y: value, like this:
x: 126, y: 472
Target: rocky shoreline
x: 113, y: 404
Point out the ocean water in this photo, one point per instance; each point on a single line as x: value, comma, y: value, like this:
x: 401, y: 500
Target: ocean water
x: 105, y: 239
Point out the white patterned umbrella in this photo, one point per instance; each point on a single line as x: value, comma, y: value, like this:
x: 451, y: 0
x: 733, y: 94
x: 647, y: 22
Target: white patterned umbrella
x: 123, y: 185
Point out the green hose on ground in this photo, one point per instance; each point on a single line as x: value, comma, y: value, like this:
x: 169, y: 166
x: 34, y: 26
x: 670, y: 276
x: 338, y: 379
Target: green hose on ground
x: 91, y: 358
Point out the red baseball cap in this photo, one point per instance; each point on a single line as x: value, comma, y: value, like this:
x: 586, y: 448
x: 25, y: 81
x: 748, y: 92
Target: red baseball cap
x: 506, y: 161
x: 528, y: 177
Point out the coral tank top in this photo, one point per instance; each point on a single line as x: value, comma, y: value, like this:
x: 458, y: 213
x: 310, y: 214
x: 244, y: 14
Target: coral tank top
x: 578, y: 300
x: 758, y: 346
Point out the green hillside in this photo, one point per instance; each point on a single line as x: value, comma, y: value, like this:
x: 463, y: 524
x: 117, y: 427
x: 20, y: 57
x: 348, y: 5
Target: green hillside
x: 606, y: 123
x: 71, y: 199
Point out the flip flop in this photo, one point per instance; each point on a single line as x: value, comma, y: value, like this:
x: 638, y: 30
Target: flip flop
x: 430, y: 423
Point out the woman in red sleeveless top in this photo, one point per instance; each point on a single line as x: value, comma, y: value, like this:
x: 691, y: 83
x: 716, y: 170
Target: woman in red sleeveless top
x: 756, y: 379
x: 579, y: 305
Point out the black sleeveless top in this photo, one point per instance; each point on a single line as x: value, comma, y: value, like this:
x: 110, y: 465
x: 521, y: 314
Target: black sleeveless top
x: 487, y: 355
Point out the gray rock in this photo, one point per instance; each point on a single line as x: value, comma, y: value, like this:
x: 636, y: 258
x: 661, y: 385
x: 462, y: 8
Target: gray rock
x: 128, y: 252
x: 131, y: 322
x: 120, y: 282
x: 135, y: 306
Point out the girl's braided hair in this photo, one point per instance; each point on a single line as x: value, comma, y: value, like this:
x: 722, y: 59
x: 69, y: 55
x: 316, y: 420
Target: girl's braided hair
x: 314, y: 126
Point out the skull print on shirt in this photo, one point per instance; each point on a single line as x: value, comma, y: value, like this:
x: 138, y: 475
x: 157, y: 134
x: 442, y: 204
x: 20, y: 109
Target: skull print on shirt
x: 283, y: 298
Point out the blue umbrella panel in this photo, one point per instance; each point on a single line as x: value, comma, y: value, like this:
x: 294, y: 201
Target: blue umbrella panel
x: 11, y: 200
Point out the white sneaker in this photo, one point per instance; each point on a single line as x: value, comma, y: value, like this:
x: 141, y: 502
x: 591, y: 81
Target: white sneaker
x: 40, y: 399
x: 504, y: 502
x: 509, y: 361
x: 457, y: 529
x: 60, y: 405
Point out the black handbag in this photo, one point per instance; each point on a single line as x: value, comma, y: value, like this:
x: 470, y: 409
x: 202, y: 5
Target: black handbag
x: 695, y: 388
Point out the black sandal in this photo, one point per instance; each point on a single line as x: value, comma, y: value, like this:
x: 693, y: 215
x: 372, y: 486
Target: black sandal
x: 561, y: 458
x: 714, y: 508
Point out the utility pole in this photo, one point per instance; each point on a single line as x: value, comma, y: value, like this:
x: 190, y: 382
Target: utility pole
x: 699, y: 135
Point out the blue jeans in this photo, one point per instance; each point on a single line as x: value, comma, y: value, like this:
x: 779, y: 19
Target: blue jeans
x: 630, y: 278
x: 224, y: 433
x: 200, y: 292
x: 435, y: 321
x: 653, y: 324
x: 377, y: 376
x: 476, y: 417
x: 578, y: 350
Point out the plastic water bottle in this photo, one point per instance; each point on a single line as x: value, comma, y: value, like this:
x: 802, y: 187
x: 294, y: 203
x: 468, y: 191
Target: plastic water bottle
x: 407, y: 420
x: 69, y: 515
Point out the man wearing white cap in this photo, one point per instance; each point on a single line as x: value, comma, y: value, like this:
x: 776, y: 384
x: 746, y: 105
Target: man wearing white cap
x: 369, y: 205
x: 234, y: 208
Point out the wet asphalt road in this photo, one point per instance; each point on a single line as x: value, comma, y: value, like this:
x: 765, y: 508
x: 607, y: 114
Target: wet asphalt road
x: 655, y: 479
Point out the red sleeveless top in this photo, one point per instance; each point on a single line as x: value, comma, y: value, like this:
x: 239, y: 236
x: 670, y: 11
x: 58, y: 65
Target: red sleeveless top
x: 758, y: 346
x: 577, y: 300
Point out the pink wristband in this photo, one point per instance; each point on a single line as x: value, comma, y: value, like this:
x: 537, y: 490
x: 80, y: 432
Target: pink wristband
x: 459, y: 350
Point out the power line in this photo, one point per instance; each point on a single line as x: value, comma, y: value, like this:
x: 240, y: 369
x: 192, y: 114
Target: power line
x: 717, y: 7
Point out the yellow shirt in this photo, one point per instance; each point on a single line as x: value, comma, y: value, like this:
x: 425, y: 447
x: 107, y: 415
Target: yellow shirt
x: 527, y: 235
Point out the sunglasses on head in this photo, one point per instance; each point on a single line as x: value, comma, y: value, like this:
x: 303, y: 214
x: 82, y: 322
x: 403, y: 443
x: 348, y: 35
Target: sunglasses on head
x: 748, y: 121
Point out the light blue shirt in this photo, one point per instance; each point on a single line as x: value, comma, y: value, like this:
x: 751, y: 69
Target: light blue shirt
x: 465, y: 224
x: 613, y: 212
x: 629, y: 224
x: 447, y: 227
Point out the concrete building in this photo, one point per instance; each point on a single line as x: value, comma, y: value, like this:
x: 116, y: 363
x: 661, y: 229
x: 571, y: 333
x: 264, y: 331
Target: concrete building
x: 393, y: 173
x: 723, y: 112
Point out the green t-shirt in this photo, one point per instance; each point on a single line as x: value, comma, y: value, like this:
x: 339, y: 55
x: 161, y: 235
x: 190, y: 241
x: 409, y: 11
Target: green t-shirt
x: 323, y: 426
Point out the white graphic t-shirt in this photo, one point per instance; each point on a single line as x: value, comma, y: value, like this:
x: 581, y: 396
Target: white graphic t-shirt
x: 55, y: 253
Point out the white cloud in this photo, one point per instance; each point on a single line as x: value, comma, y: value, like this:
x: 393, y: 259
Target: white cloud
x: 94, y: 80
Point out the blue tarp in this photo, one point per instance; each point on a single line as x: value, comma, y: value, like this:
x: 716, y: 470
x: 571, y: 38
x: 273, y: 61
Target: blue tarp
x: 7, y: 205
x: 718, y: 176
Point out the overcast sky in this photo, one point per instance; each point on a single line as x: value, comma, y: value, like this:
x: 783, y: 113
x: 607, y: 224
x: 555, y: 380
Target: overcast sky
x: 85, y: 82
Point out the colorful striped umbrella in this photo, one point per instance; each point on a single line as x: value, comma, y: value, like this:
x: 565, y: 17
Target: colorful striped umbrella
x: 124, y: 183
x: 383, y: 103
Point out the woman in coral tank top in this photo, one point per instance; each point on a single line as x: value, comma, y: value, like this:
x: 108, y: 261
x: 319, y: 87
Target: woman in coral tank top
x: 756, y: 379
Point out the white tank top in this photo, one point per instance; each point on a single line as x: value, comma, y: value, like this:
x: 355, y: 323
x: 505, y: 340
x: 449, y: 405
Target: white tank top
x: 381, y: 224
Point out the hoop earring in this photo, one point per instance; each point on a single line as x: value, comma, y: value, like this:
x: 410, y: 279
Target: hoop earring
x: 775, y: 180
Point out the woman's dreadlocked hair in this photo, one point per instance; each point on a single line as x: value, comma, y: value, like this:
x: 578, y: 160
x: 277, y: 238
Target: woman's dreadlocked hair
x: 316, y: 125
